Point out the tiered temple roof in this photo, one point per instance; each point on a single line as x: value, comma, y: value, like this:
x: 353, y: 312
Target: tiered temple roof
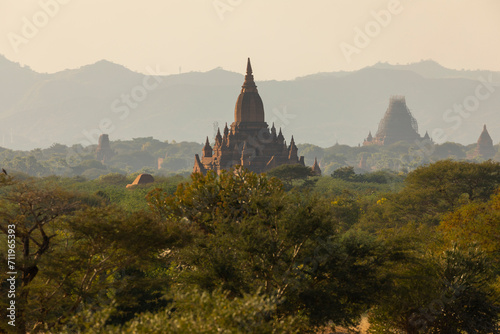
x: 248, y: 142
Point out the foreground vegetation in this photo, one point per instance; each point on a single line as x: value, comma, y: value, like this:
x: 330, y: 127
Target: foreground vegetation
x: 140, y: 155
x: 247, y: 253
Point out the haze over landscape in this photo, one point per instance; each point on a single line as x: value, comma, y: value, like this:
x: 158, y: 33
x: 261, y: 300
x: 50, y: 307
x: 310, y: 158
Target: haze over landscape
x: 287, y: 38
x: 263, y: 166
x: 75, y: 106
x: 330, y: 66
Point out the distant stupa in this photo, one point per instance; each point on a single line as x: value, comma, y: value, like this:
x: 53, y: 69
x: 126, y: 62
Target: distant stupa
x: 315, y: 168
x: 398, y: 124
x: 104, y: 153
x: 484, y: 148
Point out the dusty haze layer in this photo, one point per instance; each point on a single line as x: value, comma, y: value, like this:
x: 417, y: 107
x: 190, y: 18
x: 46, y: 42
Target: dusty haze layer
x: 76, y: 106
x: 287, y: 38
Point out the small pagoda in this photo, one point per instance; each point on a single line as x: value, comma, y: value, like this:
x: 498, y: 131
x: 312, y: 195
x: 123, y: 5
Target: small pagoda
x: 316, y: 170
x: 484, y: 147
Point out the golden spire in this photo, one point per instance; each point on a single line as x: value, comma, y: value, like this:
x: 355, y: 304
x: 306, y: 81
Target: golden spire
x: 249, y: 84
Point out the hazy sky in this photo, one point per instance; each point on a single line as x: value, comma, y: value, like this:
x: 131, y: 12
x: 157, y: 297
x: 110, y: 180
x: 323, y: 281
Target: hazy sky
x: 284, y: 38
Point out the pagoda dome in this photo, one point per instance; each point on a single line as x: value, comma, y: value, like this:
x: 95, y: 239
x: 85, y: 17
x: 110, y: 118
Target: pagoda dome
x: 249, y: 106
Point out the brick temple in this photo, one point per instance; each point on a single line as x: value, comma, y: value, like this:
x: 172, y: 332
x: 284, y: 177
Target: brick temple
x: 248, y: 142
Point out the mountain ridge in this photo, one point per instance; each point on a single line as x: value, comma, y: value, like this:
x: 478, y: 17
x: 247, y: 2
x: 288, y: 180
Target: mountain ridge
x: 321, y: 109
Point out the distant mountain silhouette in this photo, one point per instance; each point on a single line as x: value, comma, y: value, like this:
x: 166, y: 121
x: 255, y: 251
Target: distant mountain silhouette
x: 431, y: 69
x: 70, y: 107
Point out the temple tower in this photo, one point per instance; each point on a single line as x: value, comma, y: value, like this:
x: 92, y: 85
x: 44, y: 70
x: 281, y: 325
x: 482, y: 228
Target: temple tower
x: 248, y: 142
x: 104, y: 153
x: 398, y: 124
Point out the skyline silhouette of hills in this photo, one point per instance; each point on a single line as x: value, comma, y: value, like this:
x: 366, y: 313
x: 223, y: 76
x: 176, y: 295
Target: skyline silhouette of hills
x: 67, y: 107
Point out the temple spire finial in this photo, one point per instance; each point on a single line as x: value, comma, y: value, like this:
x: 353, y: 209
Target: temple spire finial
x: 249, y: 84
x: 218, y: 138
x: 207, y: 150
x: 249, y: 67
